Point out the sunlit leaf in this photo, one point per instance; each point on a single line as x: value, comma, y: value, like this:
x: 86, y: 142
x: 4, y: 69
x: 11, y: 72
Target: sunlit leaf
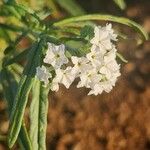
x: 116, y: 19
x: 24, y: 88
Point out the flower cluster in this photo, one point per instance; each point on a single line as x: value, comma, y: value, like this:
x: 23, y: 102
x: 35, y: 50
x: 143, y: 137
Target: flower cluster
x: 98, y: 70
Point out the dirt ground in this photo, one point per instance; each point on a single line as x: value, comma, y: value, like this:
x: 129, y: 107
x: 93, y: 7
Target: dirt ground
x: 119, y: 120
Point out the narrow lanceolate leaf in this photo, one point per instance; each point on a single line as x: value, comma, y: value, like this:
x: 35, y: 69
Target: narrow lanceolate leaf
x: 24, y: 88
x: 121, y: 20
x: 38, y: 116
x: 121, y: 58
x: 121, y: 4
x: 17, y: 58
x: 23, y: 138
x: 11, y: 27
x: 43, y: 109
x: 9, y: 86
x: 34, y: 114
x: 71, y: 7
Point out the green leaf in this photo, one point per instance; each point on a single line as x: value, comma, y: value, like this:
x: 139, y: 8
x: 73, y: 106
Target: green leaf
x: 23, y: 138
x: 9, y: 10
x: 10, y: 1
x: 24, y: 88
x: 73, y: 31
x: 71, y: 6
x: 9, y: 87
x: 87, y: 32
x: 16, y: 58
x: 17, y: 68
x: 121, y: 4
x: 116, y: 19
x: 38, y: 116
x: 43, y: 110
x: 4, y: 34
x: 121, y: 58
x: 11, y: 27
x: 34, y: 114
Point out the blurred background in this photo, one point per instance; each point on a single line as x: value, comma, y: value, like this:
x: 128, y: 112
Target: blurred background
x: 119, y: 120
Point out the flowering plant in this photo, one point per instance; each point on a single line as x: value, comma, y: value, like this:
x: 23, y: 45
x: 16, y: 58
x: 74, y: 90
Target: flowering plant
x: 59, y: 52
x: 98, y: 70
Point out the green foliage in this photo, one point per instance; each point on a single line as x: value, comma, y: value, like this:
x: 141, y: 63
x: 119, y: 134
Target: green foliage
x: 38, y: 116
x: 34, y: 114
x: 43, y: 109
x: 122, y: 58
x: 87, y: 32
x: 71, y: 7
x: 21, y: 98
x: 9, y: 83
x: 121, y: 4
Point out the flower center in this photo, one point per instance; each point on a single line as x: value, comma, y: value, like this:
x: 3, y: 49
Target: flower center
x: 57, y: 55
x: 93, y: 56
x: 79, y: 64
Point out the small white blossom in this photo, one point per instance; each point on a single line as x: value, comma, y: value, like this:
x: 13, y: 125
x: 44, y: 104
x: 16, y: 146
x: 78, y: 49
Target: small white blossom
x: 112, y: 35
x: 55, y: 55
x: 96, y: 58
x: 110, y: 65
x: 95, y: 48
x: 54, y: 85
x: 109, y: 69
x: 100, y: 87
x: 65, y: 77
x: 107, y: 86
x: 110, y: 55
x: 89, y: 78
x: 81, y: 65
x: 43, y: 74
x: 101, y: 38
x: 97, y: 89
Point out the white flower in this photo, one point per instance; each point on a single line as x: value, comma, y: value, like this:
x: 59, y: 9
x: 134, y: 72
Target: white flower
x: 109, y: 69
x: 96, y: 58
x: 55, y: 55
x: 54, y: 85
x: 114, y: 77
x: 110, y: 55
x: 98, y: 71
x: 97, y: 89
x: 100, y: 87
x: 110, y: 65
x: 65, y: 77
x: 89, y: 78
x: 112, y: 35
x: 101, y: 38
x: 43, y: 74
x: 95, y: 48
x: 81, y: 65
x: 107, y: 86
